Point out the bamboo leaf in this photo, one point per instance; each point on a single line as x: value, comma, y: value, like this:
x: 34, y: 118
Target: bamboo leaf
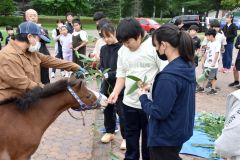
x: 84, y: 57
x: 133, y: 88
x: 98, y: 82
x: 77, y: 54
x: 145, y: 79
x: 134, y: 78
x: 106, y: 70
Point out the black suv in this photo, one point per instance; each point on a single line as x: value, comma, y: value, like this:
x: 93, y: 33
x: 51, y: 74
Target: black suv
x: 189, y: 20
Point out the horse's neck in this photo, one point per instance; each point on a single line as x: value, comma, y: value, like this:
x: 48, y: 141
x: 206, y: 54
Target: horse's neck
x: 50, y: 108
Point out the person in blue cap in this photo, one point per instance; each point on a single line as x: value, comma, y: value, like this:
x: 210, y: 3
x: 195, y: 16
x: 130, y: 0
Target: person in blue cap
x: 20, y: 62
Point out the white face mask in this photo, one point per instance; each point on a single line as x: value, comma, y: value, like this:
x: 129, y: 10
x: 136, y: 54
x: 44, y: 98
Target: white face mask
x: 34, y: 48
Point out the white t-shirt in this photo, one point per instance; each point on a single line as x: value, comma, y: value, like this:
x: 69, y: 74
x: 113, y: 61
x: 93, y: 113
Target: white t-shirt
x: 96, y: 51
x: 212, y: 49
x: 83, y: 35
x: 221, y: 38
x: 143, y: 61
x: 66, y: 42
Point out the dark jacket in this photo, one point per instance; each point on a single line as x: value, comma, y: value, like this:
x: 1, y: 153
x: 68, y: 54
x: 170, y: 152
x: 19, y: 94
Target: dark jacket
x: 173, y: 107
x: 43, y: 49
x: 236, y: 46
x: 69, y: 27
x: 108, y: 59
x: 230, y: 32
x: 196, y: 42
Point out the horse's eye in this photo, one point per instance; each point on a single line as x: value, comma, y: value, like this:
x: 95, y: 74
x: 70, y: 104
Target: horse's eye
x: 89, y: 96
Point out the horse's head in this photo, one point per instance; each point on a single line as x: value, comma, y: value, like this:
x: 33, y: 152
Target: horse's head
x: 85, y: 95
x: 101, y: 99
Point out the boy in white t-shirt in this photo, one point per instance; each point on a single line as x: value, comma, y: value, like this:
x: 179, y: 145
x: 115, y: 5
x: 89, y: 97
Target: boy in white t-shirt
x: 211, y: 58
x: 137, y: 57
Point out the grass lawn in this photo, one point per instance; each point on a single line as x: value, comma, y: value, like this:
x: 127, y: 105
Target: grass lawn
x: 50, y: 27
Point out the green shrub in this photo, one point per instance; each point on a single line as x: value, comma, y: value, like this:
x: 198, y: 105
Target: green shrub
x: 10, y: 20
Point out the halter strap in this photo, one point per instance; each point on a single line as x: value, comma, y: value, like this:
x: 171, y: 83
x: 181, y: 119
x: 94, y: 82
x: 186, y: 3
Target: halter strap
x: 75, y: 96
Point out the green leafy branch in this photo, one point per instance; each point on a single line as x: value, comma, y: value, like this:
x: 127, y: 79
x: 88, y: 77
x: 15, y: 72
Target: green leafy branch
x: 93, y: 72
x: 204, y: 75
x: 212, y: 125
x: 138, y: 83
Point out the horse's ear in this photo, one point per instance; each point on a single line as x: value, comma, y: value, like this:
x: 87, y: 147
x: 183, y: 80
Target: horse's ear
x: 72, y: 77
x: 80, y: 83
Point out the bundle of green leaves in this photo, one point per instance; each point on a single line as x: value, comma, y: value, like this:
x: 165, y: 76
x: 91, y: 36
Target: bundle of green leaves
x: 137, y: 84
x: 93, y: 71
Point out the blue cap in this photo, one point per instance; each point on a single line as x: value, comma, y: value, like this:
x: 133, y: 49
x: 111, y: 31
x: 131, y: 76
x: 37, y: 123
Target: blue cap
x: 32, y: 28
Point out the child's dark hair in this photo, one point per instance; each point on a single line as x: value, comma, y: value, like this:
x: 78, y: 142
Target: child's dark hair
x: 69, y: 14
x: 9, y: 28
x: 215, y: 23
x: 102, y: 22
x: 177, y: 39
x: 178, y: 21
x: 129, y: 28
x: 230, y: 15
x: 108, y: 29
x: 98, y: 15
x: 194, y: 27
x: 210, y: 32
x: 77, y: 21
x: 60, y: 21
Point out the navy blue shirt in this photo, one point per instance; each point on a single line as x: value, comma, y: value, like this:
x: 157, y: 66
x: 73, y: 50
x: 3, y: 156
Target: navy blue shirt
x: 171, y: 112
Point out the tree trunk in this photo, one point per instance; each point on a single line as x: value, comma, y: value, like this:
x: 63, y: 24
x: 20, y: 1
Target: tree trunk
x: 137, y: 8
x: 217, y: 12
x: 161, y: 14
x: 218, y: 5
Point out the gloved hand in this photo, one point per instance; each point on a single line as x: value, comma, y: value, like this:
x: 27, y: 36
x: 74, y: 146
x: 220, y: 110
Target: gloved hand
x: 80, y: 73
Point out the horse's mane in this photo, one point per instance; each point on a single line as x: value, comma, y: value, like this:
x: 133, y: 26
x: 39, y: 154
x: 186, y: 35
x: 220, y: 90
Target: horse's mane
x: 36, y: 93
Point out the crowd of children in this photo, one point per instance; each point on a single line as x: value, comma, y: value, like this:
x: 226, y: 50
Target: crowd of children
x: 128, y: 50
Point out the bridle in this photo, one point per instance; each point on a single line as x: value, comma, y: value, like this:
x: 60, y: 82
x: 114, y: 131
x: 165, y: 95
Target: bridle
x: 82, y: 105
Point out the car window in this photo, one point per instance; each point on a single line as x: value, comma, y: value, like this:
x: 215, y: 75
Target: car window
x: 192, y: 18
x: 151, y: 21
x: 184, y: 18
x: 143, y: 21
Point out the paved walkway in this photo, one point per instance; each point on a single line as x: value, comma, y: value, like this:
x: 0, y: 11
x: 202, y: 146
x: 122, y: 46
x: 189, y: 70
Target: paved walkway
x: 68, y: 139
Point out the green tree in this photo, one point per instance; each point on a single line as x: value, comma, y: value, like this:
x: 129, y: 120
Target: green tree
x: 60, y: 7
x: 111, y: 8
x: 230, y: 4
x: 7, y: 7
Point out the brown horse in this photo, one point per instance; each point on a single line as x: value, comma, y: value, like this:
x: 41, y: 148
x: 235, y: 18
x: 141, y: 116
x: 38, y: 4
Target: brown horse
x: 24, y: 120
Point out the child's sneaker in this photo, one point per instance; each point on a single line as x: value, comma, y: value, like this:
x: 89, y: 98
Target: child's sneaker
x: 62, y: 73
x: 123, y: 145
x: 225, y: 70
x: 221, y: 70
x: 52, y: 75
x: 237, y: 87
x: 199, y: 89
x: 107, y: 137
x: 212, y: 91
x: 235, y: 83
x: 66, y: 75
x: 209, y: 85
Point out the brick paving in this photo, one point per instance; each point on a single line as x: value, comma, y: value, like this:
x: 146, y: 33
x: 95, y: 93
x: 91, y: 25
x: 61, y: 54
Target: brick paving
x: 68, y: 139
